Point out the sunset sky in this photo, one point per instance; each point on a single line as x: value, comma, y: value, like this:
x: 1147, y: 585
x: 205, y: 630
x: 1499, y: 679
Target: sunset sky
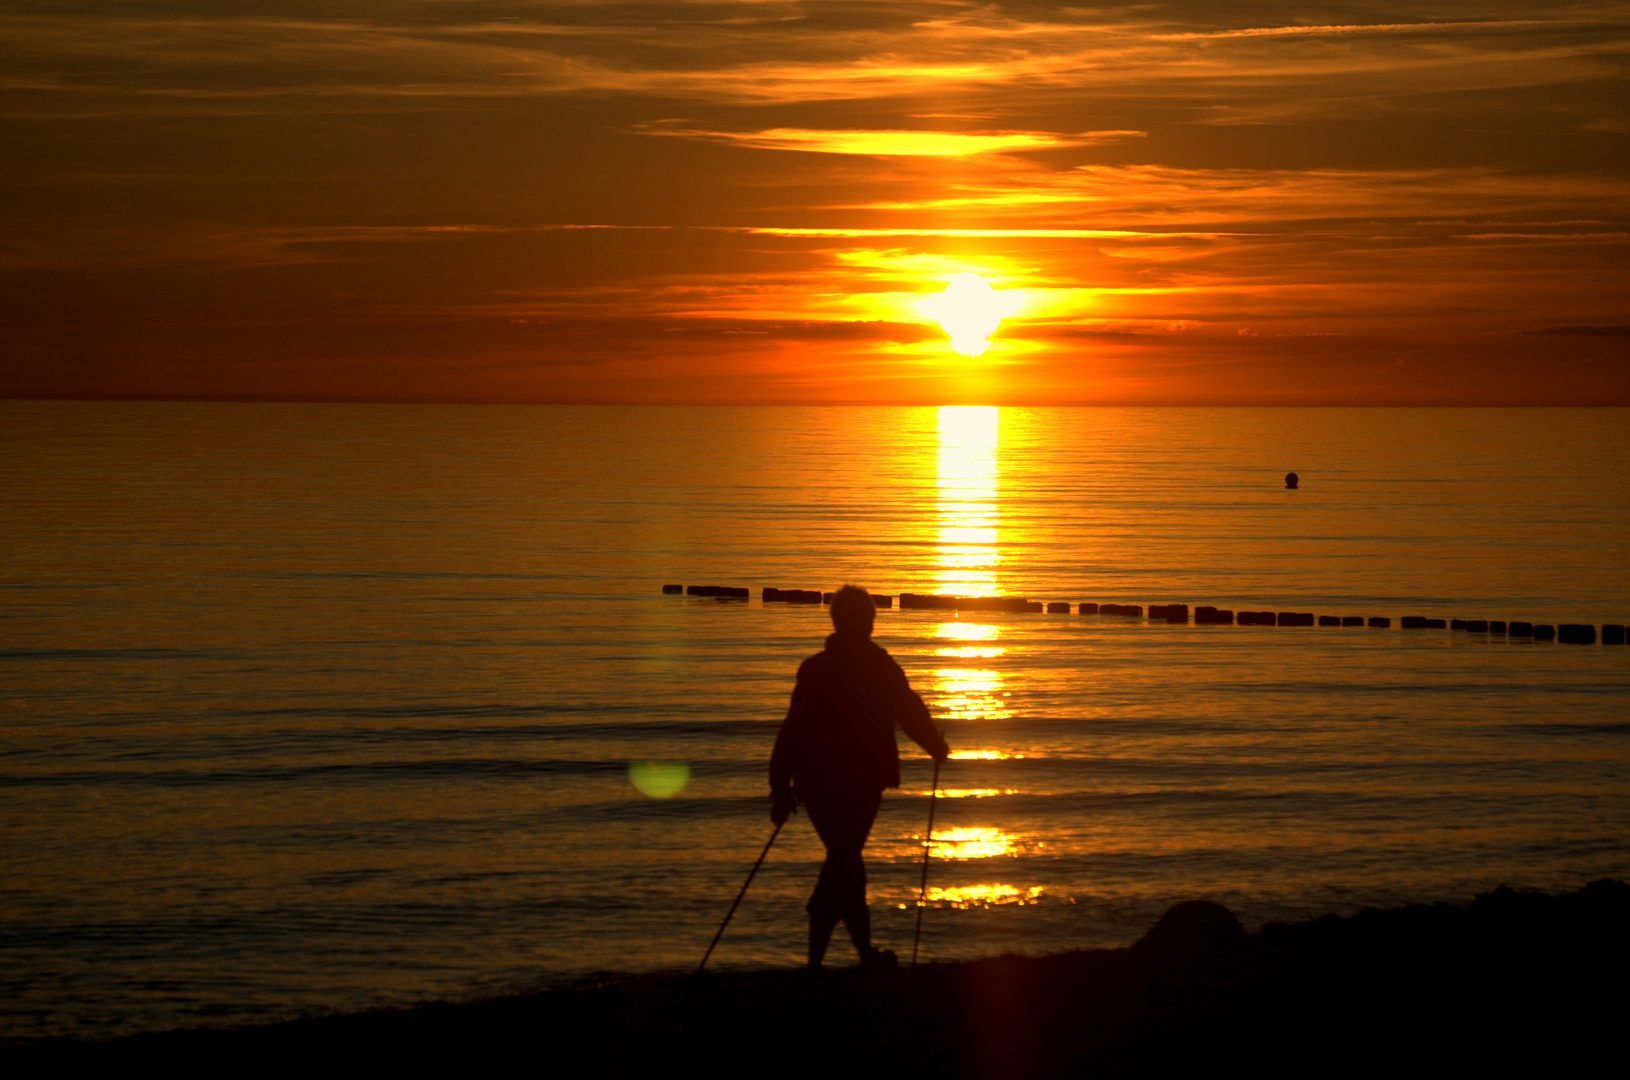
x: 1181, y: 203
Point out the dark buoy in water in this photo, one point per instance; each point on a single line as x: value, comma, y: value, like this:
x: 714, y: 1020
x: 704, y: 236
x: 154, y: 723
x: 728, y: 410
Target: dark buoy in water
x: 1291, y: 480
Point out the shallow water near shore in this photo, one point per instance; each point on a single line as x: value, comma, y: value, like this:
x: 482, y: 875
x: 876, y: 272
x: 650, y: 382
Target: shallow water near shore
x: 320, y: 707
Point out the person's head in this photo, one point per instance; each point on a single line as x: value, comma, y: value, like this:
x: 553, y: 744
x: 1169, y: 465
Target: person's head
x: 853, y: 611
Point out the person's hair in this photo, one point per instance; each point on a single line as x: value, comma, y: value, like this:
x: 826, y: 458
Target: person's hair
x: 853, y: 611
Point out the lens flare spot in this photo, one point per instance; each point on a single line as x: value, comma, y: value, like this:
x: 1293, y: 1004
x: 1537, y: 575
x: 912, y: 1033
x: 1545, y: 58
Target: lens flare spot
x: 659, y: 779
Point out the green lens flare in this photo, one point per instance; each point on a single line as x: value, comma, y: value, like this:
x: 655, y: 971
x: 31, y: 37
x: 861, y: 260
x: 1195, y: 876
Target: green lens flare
x: 659, y: 779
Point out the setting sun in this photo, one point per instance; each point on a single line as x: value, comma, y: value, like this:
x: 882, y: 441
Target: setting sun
x: 969, y: 311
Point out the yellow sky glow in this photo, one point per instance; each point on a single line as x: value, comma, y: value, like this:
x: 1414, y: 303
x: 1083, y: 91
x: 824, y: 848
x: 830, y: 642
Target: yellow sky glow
x: 895, y: 143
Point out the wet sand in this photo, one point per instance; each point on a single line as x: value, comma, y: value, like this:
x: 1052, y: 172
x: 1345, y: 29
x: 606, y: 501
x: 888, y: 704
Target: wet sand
x: 1515, y: 981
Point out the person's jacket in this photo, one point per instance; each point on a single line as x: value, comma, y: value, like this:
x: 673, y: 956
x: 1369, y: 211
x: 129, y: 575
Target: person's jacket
x: 839, y: 730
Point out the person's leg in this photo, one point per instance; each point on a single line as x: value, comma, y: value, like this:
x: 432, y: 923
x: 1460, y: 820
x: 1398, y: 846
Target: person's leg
x: 842, y: 820
x: 827, y: 903
x: 859, y: 924
x: 821, y: 925
x: 857, y: 917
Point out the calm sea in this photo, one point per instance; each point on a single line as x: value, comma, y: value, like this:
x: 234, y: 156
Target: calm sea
x: 321, y: 707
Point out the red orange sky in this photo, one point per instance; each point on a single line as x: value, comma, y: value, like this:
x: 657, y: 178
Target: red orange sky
x: 1194, y: 203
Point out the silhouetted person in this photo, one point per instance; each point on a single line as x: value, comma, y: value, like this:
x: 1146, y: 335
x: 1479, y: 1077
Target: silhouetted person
x: 1291, y: 479
x: 836, y: 753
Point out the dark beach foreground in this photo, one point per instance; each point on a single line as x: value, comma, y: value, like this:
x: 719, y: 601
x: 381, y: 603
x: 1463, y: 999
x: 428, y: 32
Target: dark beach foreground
x: 1514, y: 981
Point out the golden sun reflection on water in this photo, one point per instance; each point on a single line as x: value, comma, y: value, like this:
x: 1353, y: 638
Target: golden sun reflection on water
x: 969, y: 693
x: 968, y: 526
x: 967, y: 896
x: 973, y: 843
x: 968, y: 556
x: 968, y: 632
x: 984, y: 755
x: 970, y: 652
x: 968, y: 680
x: 960, y: 631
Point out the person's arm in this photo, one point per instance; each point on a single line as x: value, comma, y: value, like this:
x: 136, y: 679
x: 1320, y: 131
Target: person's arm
x: 782, y: 801
x: 781, y: 760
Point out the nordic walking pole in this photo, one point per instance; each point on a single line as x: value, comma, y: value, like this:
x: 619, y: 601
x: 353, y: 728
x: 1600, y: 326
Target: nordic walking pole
x: 750, y: 875
x: 928, y: 849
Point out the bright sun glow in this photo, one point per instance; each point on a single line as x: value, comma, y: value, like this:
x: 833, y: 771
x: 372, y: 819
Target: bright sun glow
x: 969, y: 310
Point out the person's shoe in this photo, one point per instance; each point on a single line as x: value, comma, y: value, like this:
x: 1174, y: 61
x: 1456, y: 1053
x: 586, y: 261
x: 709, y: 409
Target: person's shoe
x: 880, y: 960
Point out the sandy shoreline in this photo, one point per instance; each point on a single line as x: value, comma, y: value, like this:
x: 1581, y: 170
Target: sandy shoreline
x: 1513, y: 980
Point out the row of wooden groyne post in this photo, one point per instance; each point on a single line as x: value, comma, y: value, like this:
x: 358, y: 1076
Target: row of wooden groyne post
x: 1567, y: 633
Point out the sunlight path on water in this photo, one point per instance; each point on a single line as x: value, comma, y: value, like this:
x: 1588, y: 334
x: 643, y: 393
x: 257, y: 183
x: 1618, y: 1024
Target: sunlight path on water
x: 967, y: 485
x: 968, y: 555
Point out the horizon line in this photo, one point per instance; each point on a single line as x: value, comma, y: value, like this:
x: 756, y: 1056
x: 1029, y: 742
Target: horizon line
x: 802, y: 403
